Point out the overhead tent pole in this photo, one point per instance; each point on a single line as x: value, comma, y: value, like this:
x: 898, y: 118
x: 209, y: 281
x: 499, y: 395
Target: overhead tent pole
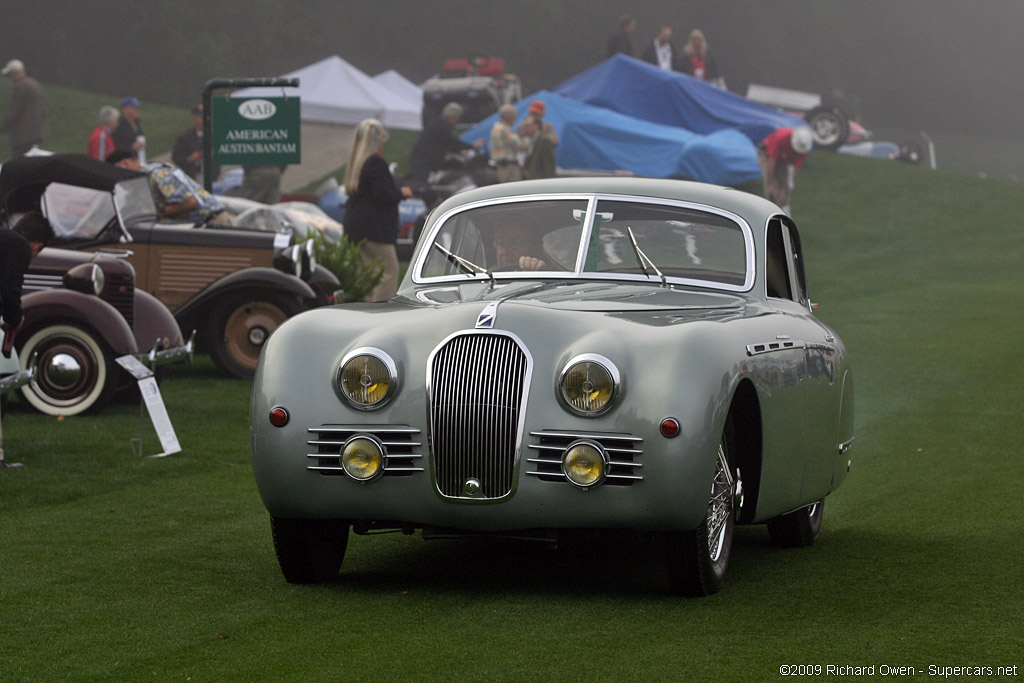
x: 208, y: 89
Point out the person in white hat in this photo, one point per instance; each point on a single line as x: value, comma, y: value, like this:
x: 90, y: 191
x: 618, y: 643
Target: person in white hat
x: 781, y: 155
x: 23, y: 121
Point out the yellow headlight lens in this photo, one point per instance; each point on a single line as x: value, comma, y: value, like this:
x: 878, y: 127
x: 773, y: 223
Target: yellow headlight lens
x: 588, y: 387
x: 366, y: 380
x: 584, y: 464
x: 362, y: 458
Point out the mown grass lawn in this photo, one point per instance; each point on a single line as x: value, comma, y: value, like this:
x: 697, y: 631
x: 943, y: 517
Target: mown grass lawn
x: 115, y: 567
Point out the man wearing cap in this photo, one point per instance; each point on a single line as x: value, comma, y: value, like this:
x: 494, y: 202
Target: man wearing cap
x: 537, y: 109
x: 128, y: 136
x: 784, y: 149
x: 24, y: 120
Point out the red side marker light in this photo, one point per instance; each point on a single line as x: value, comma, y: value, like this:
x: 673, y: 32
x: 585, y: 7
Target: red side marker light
x: 669, y: 427
x: 278, y: 417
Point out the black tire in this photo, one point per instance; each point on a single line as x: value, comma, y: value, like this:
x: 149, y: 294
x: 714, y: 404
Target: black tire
x: 75, y: 371
x: 240, y: 325
x: 799, y: 528
x: 697, y: 560
x: 309, y: 550
x: 830, y: 126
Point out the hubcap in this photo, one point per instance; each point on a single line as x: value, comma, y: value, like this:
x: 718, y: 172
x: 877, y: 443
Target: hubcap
x: 248, y: 328
x: 63, y: 371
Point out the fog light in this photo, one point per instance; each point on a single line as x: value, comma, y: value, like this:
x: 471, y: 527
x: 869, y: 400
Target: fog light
x: 584, y: 464
x: 363, y: 458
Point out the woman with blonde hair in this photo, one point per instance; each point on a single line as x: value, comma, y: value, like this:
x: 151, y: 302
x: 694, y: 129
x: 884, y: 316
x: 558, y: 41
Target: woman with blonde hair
x: 697, y: 60
x: 371, y: 213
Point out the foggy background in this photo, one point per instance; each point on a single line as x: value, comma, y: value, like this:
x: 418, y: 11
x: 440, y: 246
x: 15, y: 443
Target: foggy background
x: 936, y: 65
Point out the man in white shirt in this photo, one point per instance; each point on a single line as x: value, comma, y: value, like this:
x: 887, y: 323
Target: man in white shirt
x: 661, y: 52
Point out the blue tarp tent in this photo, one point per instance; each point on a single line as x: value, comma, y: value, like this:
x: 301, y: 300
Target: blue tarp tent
x: 635, y: 88
x: 601, y: 139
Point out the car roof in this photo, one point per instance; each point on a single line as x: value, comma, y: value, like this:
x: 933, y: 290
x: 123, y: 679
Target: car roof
x: 751, y: 207
x: 23, y: 180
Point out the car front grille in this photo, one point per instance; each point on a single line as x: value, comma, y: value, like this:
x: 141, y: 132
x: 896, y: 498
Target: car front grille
x: 477, y: 382
x: 623, y: 453
x: 400, y: 441
x: 119, y: 292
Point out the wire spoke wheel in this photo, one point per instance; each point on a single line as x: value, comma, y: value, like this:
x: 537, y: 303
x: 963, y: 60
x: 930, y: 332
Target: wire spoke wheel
x: 697, y: 560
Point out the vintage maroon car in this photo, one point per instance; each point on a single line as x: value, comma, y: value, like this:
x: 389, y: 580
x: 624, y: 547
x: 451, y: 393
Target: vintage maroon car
x: 234, y: 287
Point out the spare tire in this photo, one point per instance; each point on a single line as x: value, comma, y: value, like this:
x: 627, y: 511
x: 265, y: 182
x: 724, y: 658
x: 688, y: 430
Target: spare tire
x: 830, y: 126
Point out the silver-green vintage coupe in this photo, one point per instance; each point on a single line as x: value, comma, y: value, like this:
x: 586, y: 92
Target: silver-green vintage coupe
x: 589, y: 353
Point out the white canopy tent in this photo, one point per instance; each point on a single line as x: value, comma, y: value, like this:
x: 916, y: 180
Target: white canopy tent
x: 334, y: 91
x: 403, y: 87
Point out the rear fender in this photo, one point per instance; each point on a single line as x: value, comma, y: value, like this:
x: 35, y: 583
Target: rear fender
x: 244, y: 280
x: 63, y: 305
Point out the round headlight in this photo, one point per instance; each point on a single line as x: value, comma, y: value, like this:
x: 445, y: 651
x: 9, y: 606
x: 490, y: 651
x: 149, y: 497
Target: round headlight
x: 585, y: 464
x: 363, y: 458
x: 367, y: 378
x: 589, y: 384
x: 87, y: 278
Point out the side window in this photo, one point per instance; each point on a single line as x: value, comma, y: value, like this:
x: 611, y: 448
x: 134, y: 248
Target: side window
x: 776, y: 272
x: 784, y: 268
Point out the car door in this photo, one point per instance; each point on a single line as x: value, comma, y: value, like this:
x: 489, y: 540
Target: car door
x: 817, y: 348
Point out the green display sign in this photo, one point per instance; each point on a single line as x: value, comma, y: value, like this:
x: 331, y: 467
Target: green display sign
x: 260, y: 131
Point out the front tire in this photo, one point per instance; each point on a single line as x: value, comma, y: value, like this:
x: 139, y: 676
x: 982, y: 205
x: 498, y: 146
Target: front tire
x: 240, y: 326
x: 697, y: 559
x: 799, y: 528
x: 309, y: 550
x: 74, y: 371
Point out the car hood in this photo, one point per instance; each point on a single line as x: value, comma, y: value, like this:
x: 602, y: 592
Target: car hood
x: 598, y: 297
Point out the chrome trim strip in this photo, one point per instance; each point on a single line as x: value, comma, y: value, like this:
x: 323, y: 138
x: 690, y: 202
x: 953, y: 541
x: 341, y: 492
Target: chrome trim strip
x: 377, y: 429
x: 589, y: 435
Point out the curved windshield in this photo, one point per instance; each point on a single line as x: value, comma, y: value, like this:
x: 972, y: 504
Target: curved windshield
x: 515, y: 237
x: 602, y: 238
x: 681, y: 242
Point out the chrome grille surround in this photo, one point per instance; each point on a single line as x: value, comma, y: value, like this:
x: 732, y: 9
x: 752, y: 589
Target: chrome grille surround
x: 477, y: 384
x: 623, y: 451
x: 402, y: 450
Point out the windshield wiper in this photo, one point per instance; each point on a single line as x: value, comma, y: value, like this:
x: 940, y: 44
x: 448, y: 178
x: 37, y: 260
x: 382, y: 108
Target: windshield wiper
x: 641, y: 257
x: 465, y: 265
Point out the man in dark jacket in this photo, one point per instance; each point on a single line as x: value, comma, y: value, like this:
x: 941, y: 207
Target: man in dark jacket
x: 437, y: 140
x: 619, y: 41
x: 24, y: 120
x: 17, y: 247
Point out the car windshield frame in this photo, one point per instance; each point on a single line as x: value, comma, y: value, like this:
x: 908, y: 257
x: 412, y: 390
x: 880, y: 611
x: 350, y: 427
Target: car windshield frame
x: 428, y: 255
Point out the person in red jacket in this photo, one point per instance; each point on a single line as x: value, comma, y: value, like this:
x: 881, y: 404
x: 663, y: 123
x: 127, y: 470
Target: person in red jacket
x: 783, y: 150
x: 101, y: 142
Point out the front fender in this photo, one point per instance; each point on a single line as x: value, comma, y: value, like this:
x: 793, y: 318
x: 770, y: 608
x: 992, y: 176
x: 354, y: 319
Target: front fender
x: 324, y: 284
x: 154, y: 323
x: 91, y: 311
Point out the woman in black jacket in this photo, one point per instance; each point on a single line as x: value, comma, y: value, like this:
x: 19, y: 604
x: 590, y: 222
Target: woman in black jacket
x: 371, y: 213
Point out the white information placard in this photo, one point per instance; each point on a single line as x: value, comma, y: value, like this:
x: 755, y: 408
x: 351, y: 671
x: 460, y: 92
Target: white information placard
x: 158, y: 415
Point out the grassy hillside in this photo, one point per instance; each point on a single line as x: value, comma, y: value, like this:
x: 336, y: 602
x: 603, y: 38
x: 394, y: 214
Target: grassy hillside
x: 116, y: 567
